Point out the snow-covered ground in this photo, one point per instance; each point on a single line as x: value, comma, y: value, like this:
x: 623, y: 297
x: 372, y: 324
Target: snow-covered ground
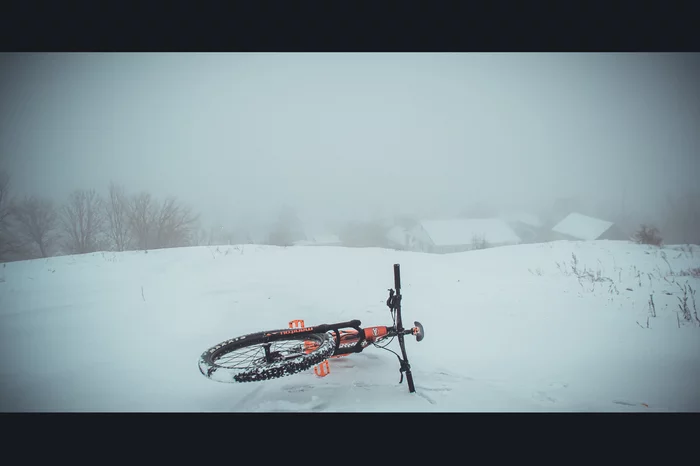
x: 507, y: 329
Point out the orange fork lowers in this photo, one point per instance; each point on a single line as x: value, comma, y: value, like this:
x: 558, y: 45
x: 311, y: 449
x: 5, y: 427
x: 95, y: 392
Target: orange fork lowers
x: 322, y: 369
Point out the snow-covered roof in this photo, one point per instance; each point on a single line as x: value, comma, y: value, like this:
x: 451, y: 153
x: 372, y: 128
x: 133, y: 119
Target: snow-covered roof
x: 582, y: 227
x: 325, y: 239
x: 462, y: 231
x: 318, y: 232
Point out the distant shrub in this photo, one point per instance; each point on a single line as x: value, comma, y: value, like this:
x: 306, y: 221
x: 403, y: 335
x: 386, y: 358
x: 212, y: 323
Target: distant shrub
x: 648, y: 235
x: 479, y: 242
x: 693, y: 272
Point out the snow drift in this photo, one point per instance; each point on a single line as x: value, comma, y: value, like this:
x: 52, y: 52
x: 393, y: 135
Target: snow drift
x: 563, y: 326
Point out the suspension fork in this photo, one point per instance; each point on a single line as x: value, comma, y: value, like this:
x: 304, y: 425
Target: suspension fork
x: 395, y: 301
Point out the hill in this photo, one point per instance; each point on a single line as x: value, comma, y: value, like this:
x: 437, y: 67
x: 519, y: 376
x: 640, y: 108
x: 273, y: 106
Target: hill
x: 563, y: 326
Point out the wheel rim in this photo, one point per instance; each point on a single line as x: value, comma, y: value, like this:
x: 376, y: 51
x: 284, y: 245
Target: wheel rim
x: 256, y: 357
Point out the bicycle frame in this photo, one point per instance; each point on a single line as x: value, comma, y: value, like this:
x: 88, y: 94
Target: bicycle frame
x: 357, y: 339
x: 346, y: 342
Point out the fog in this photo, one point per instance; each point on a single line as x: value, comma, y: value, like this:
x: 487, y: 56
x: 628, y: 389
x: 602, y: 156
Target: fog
x: 354, y: 136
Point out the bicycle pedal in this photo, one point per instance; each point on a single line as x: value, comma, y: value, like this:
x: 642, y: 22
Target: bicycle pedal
x: 296, y: 323
x: 322, y: 369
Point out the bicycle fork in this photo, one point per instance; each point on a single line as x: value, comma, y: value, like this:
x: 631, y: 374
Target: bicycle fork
x: 321, y: 369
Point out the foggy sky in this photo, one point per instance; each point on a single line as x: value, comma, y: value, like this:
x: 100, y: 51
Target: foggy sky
x: 352, y: 135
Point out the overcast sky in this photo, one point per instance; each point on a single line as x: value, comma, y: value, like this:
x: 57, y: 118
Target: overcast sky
x: 352, y: 135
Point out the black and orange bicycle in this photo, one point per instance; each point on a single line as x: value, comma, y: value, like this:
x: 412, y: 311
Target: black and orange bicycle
x: 278, y: 353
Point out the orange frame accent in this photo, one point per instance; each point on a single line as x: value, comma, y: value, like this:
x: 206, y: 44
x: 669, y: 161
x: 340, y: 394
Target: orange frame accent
x: 346, y: 336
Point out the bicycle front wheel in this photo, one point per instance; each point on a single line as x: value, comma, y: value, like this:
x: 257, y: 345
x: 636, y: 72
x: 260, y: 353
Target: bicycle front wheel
x: 250, y: 358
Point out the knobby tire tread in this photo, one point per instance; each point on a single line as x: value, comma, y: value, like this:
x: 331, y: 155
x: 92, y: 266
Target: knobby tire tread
x: 210, y: 369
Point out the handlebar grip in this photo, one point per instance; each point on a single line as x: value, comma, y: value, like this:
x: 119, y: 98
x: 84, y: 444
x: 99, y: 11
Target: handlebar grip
x: 397, y: 278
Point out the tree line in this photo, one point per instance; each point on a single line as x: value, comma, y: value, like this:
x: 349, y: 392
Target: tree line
x: 34, y: 227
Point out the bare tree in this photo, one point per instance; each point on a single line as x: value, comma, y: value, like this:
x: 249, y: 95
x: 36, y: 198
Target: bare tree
x: 4, y: 196
x: 142, y: 212
x: 479, y: 242
x: 648, y: 234
x: 117, y: 218
x: 36, y: 221
x: 175, y: 224
x: 10, y: 246
x: 82, y: 219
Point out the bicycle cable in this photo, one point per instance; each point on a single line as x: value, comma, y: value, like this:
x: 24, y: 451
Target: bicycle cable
x: 402, y: 363
x: 391, y: 303
x: 392, y: 311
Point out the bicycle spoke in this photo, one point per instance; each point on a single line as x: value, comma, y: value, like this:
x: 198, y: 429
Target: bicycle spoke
x: 255, y: 355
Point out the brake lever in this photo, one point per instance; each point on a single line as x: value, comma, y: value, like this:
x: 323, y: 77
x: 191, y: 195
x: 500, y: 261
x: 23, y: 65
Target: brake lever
x: 390, y: 299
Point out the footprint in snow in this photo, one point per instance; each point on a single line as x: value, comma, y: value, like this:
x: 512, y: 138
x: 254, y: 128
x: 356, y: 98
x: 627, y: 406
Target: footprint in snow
x: 364, y: 385
x: 426, y: 397
x: 297, y: 388
x: 285, y: 407
x: 630, y: 403
x: 435, y: 389
x: 453, y: 376
x: 542, y: 396
x: 319, y: 407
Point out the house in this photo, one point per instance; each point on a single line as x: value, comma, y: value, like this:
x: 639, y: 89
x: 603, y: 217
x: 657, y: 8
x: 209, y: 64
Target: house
x: 324, y: 239
x: 529, y: 227
x: 398, y: 237
x: 559, y: 210
x: 315, y: 233
x: 457, y: 235
x: 581, y: 227
x: 406, y: 238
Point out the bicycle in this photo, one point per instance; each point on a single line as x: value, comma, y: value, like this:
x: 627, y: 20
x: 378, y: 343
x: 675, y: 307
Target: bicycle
x: 263, y: 355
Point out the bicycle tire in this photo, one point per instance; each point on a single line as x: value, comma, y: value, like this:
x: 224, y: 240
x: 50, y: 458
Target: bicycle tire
x: 211, y: 366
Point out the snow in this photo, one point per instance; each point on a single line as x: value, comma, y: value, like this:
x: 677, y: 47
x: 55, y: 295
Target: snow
x: 462, y: 231
x: 582, y: 227
x: 319, y: 240
x: 507, y: 329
